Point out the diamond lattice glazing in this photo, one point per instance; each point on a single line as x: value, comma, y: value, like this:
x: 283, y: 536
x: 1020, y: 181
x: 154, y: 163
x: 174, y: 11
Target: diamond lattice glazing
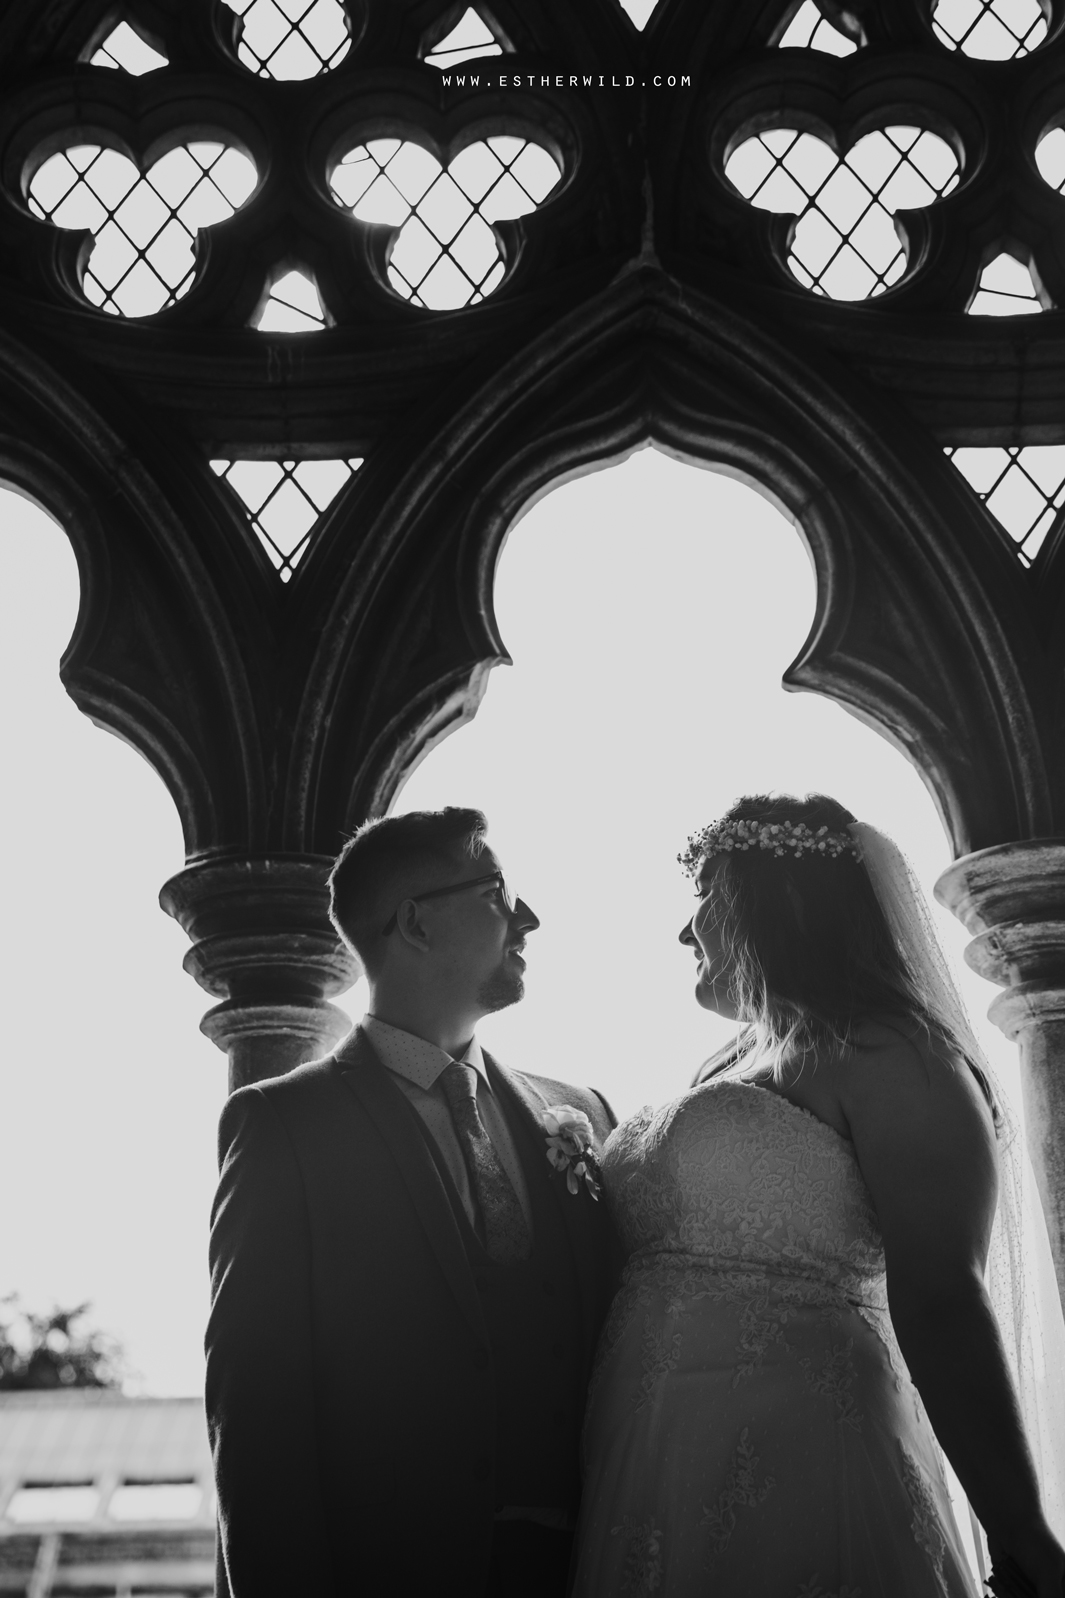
x: 284, y: 501
x: 144, y: 224
x: 844, y: 244
x: 1022, y: 486
x: 291, y: 39
x: 990, y: 30
x: 446, y: 253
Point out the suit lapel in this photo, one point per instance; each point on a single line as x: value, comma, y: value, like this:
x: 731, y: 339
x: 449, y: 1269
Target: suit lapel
x: 385, y: 1107
x: 579, y: 1223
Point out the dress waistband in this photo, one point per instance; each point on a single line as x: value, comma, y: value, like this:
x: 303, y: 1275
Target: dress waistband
x: 685, y: 1273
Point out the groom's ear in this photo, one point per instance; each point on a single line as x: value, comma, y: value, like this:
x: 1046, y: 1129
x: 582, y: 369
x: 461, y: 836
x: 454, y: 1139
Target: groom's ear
x: 410, y: 926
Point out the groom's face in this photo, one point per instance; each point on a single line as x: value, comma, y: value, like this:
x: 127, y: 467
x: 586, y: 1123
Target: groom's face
x: 703, y: 936
x: 479, y: 936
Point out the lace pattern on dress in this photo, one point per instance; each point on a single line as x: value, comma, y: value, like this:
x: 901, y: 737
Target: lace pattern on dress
x: 642, y: 1571
x: 727, y: 1179
x: 927, y: 1525
x: 834, y: 1379
x: 661, y: 1351
x: 764, y: 1305
x: 735, y: 1171
x: 740, y: 1492
x: 756, y: 1275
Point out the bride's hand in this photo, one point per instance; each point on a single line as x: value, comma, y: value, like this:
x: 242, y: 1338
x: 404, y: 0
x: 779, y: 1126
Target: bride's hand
x: 1039, y: 1557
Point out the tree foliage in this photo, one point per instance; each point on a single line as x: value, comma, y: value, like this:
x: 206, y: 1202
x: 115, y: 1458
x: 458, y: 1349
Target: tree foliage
x: 53, y: 1351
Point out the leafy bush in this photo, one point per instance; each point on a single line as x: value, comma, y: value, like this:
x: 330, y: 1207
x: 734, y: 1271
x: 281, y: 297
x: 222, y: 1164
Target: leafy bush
x: 51, y: 1351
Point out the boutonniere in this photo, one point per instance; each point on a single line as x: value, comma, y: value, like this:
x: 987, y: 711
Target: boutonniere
x: 569, y: 1147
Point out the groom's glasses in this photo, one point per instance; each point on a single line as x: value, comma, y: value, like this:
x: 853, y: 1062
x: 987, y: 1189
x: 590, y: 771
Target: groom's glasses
x: 455, y: 887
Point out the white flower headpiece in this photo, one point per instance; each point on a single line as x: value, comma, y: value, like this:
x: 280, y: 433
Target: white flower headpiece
x: 793, y: 838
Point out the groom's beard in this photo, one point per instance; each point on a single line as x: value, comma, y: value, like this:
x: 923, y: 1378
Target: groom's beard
x: 502, y: 989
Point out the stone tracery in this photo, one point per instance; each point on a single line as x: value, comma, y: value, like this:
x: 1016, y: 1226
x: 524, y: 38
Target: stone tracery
x: 144, y: 225
x: 843, y: 243
x: 640, y: 295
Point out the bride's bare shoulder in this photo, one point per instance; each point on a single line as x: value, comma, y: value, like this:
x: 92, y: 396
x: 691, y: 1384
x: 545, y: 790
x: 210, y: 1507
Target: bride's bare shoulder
x: 901, y: 1061
x: 883, y: 1033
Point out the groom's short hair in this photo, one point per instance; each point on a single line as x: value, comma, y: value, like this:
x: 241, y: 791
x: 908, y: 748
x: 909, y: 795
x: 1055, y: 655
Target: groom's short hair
x: 383, y: 858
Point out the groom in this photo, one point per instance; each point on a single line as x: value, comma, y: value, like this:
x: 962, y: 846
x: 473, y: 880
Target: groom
x: 406, y: 1293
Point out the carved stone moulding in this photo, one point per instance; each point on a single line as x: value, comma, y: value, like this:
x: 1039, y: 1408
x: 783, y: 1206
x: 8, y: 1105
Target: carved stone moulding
x: 1012, y: 898
x: 262, y: 942
x: 992, y: 115
x: 294, y: 134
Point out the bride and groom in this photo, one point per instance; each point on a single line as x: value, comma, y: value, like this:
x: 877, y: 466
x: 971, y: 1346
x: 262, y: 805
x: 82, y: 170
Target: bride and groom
x: 762, y: 1305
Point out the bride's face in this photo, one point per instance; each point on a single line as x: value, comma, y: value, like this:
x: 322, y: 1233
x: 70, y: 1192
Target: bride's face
x: 703, y: 936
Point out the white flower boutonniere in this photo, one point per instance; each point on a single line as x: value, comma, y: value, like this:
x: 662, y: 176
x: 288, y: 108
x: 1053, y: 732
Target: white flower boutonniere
x: 570, y: 1140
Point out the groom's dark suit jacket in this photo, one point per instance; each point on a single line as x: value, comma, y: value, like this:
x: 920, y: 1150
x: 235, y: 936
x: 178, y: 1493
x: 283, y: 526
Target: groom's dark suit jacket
x: 377, y: 1387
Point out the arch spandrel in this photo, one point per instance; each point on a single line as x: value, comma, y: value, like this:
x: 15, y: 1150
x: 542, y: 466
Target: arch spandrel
x: 920, y: 607
x: 154, y: 657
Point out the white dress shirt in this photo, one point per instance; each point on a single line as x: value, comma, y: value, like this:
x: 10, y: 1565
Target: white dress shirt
x: 416, y: 1065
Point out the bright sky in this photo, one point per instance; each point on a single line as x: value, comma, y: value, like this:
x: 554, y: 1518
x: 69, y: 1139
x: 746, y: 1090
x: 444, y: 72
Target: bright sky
x: 650, y: 610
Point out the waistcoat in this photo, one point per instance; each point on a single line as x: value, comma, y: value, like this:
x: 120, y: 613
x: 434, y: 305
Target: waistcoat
x: 537, y: 1344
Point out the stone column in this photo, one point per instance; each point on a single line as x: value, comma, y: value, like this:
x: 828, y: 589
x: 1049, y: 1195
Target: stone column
x: 263, y: 944
x: 1012, y: 899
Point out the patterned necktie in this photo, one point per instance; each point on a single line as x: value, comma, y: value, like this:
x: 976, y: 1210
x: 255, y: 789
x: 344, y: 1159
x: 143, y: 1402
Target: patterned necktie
x: 506, y: 1234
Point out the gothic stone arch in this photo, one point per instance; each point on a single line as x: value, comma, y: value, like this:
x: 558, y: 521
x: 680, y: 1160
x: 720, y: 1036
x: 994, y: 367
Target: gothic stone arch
x: 643, y: 299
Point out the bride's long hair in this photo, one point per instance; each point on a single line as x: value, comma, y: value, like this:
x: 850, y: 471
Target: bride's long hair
x: 809, y: 950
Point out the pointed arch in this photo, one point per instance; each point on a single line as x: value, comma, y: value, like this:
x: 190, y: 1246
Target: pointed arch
x: 906, y: 633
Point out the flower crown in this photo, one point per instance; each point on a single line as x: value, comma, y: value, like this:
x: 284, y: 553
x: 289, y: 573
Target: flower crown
x: 777, y: 837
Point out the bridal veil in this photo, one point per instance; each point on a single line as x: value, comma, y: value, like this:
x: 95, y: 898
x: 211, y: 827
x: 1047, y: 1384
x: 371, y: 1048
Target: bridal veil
x: 1020, y: 1275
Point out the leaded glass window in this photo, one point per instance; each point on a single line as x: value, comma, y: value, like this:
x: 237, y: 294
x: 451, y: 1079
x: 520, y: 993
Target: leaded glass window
x: 469, y: 40
x: 844, y: 243
x: 291, y: 38
x: 284, y: 501
x: 810, y: 30
x: 992, y: 30
x: 144, y: 224
x: 446, y: 253
x: 1022, y: 486
x: 125, y: 50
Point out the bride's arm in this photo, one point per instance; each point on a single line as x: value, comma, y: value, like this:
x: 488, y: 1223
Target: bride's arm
x: 926, y: 1146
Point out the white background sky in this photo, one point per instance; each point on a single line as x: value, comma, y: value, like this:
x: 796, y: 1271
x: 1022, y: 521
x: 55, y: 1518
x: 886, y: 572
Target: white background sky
x: 651, y: 610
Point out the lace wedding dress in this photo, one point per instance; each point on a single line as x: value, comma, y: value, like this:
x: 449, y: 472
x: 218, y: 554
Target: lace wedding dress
x: 752, y: 1430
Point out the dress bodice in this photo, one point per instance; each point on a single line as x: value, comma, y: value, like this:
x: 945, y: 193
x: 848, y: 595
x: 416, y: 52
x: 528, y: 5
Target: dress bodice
x: 732, y: 1175
x: 751, y: 1424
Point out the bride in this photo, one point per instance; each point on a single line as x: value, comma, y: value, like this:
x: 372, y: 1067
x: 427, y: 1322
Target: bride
x: 803, y: 1323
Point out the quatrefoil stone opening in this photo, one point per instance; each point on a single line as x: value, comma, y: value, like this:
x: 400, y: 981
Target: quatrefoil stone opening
x: 844, y: 243
x: 445, y: 253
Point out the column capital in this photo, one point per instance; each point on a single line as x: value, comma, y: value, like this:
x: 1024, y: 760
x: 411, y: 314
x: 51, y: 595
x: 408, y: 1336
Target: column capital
x: 1012, y: 898
x: 1027, y: 1006
x: 1023, y: 881
x: 262, y: 942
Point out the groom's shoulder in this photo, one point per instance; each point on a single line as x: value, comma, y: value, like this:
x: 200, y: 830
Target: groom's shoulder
x: 552, y: 1092
x: 306, y: 1091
